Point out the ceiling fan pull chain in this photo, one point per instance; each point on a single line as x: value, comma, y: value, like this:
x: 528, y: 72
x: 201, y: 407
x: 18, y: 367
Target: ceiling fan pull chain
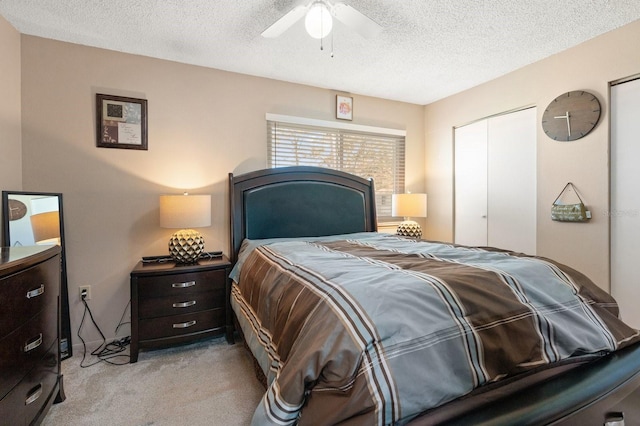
x: 332, y: 44
x: 321, y: 27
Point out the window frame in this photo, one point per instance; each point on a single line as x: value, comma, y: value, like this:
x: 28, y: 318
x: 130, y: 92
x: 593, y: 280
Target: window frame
x: 351, y: 132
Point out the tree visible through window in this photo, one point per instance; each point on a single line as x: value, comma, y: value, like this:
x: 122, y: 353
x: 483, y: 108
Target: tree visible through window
x: 368, y: 155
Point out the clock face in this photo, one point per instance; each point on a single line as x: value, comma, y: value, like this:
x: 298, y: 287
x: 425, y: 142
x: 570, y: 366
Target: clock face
x: 571, y: 116
x: 17, y: 209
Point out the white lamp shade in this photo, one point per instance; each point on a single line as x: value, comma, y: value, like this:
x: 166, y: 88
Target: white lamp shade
x: 318, y: 21
x: 185, y: 211
x: 409, y: 205
x: 46, y: 227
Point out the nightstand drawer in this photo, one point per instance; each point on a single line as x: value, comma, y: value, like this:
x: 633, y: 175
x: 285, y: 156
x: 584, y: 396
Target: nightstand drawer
x: 181, y: 304
x: 177, y: 325
x: 180, y: 284
x: 22, y: 349
x: 25, y: 294
x: 30, y: 395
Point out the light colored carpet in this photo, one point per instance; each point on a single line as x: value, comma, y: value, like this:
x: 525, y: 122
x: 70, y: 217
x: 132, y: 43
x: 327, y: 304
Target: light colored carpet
x: 205, y: 383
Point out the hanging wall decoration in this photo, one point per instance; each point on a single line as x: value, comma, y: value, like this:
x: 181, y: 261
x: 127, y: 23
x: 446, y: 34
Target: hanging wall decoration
x: 344, y: 107
x: 574, y: 212
x: 121, y: 122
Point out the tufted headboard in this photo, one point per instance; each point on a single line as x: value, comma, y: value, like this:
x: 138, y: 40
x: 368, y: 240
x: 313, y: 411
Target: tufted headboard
x: 298, y: 202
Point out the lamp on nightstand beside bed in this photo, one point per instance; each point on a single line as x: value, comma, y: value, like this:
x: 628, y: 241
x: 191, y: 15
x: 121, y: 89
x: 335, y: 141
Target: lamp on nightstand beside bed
x: 408, y: 206
x: 185, y: 212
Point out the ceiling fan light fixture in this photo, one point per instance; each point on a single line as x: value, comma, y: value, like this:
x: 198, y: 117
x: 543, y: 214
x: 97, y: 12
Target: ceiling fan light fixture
x: 318, y: 21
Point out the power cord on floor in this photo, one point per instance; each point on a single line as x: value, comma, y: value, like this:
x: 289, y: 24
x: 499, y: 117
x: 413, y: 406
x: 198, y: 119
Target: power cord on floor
x: 106, y: 351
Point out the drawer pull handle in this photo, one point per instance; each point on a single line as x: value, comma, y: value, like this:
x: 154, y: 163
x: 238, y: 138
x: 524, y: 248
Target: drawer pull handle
x: 34, y: 395
x: 614, y: 419
x: 35, y: 293
x: 184, y: 324
x: 34, y: 344
x: 184, y: 304
x: 183, y: 285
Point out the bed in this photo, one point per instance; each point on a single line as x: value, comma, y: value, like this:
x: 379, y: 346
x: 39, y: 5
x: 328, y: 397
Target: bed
x: 426, y: 333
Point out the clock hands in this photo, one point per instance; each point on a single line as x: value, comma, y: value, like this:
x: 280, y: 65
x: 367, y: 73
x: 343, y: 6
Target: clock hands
x: 568, y: 123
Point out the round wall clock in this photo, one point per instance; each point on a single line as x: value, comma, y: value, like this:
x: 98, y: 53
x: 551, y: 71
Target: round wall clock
x: 571, y: 116
x: 17, y: 209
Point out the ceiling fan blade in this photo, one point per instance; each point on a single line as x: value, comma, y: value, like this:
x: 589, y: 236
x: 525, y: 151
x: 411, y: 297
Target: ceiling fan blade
x: 284, y: 23
x: 356, y: 20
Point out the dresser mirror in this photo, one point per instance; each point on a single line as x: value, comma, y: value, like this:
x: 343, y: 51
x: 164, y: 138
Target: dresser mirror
x: 35, y: 218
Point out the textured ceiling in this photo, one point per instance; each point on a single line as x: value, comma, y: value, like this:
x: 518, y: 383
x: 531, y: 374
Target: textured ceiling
x: 427, y: 49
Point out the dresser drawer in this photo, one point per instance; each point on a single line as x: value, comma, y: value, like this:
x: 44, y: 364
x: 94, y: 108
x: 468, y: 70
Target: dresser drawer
x: 26, y: 293
x: 22, y: 349
x: 180, y: 284
x: 25, y: 400
x: 178, y: 325
x: 181, y: 304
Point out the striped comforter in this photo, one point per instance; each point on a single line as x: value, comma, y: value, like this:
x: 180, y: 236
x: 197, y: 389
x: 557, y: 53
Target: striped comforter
x: 373, y: 329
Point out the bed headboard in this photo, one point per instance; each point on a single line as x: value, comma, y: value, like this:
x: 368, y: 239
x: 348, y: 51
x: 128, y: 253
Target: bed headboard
x: 298, y: 202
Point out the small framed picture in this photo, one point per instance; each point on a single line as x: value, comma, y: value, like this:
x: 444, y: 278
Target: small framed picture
x: 344, y: 107
x: 121, y: 122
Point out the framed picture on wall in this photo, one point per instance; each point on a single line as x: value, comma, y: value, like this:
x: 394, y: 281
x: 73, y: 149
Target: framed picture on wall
x: 344, y: 107
x: 121, y: 122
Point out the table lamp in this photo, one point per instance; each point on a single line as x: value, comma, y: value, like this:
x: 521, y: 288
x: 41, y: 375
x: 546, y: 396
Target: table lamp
x: 46, y: 227
x: 185, y: 212
x: 408, y: 206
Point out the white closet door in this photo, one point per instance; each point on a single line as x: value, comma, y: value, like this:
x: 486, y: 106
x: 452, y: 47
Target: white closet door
x: 470, y: 167
x: 512, y: 181
x: 495, y: 182
x: 625, y: 199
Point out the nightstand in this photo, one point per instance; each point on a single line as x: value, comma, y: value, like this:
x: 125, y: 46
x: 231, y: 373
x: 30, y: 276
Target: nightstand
x: 173, y: 303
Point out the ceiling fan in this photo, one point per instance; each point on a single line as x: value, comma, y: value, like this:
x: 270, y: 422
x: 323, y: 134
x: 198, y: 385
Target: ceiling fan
x: 319, y: 16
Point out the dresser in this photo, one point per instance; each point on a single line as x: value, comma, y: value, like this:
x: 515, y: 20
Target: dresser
x: 30, y: 376
x: 173, y: 303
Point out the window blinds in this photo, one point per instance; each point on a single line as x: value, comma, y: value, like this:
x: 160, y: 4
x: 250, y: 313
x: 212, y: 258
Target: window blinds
x: 364, y: 154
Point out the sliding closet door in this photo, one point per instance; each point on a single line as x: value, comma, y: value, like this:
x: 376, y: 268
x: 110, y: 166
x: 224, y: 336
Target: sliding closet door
x: 495, y: 182
x: 625, y: 199
x: 512, y: 181
x: 471, y: 184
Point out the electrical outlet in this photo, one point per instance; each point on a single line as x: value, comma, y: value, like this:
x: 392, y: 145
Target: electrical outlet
x: 87, y: 289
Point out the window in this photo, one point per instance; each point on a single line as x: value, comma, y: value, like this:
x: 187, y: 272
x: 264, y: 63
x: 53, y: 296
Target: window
x: 361, y: 150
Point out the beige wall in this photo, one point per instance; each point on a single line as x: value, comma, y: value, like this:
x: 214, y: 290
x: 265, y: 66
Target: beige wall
x: 203, y: 124
x: 10, y: 132
x: 589, y: 66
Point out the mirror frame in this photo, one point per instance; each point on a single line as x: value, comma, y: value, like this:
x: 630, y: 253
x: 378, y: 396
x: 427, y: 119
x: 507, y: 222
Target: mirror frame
x: 65, y: 322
